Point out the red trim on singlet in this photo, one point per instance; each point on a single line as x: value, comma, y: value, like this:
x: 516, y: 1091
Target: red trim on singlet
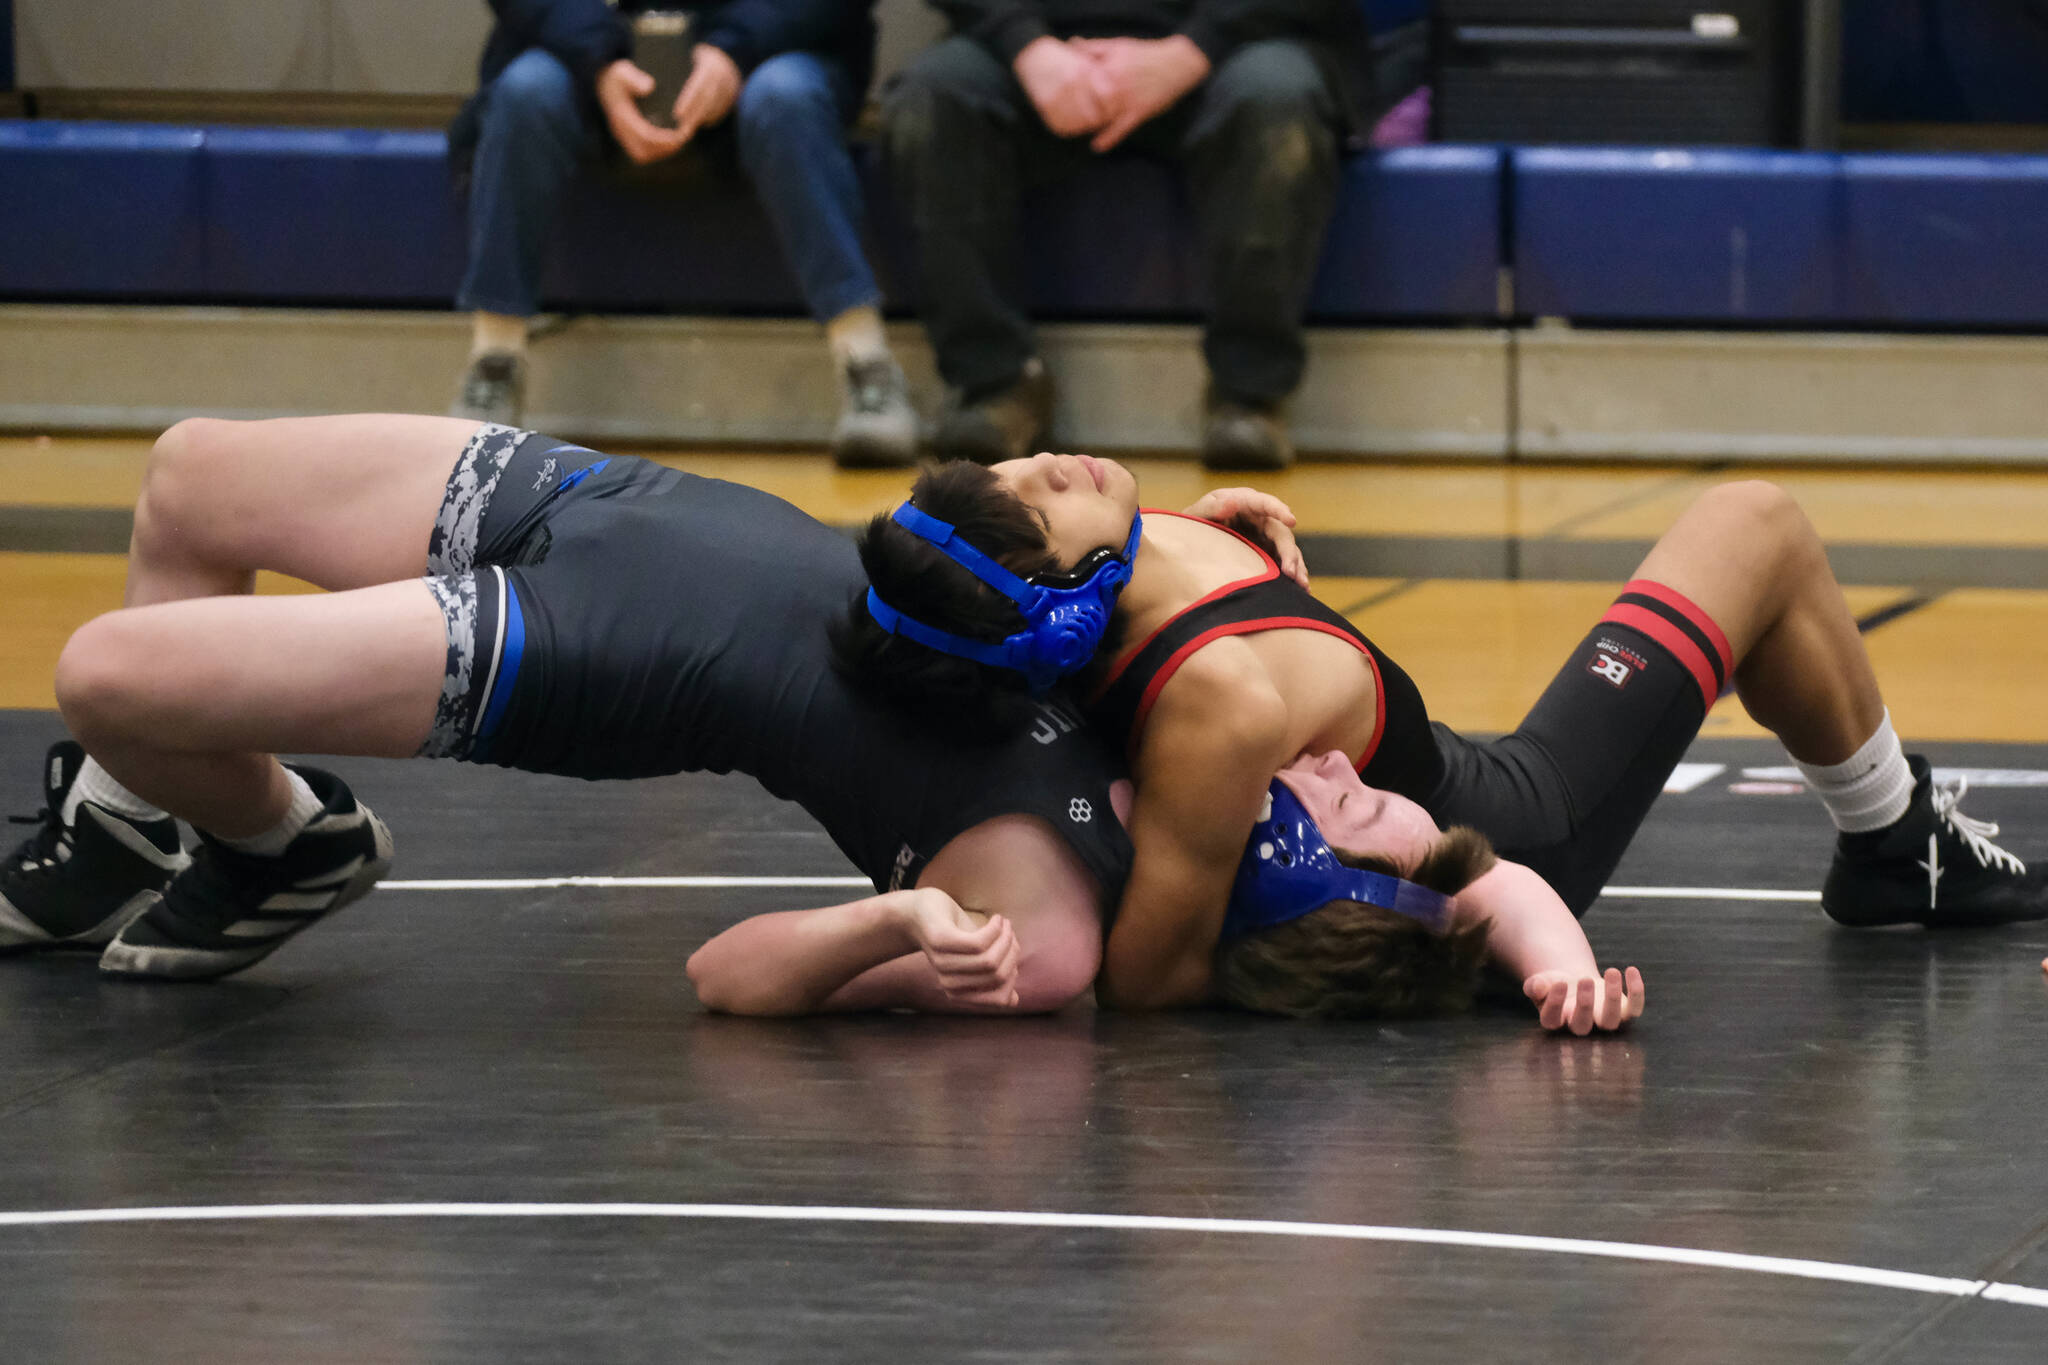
x: 1254, y: 627
x: 1379, y: 704
x: 1680, y: 645
x: 1691, y: 611
x: 1272, y: 571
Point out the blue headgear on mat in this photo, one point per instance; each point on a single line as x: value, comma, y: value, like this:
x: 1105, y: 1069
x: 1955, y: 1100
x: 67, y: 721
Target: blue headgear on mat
x: 1289, y: 869
x: 1065, y: 614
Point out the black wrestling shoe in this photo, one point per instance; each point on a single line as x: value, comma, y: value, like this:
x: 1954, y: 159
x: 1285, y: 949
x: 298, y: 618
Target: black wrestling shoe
x: 78, y: 884
x: 1936, y: 867
x: 229, y: 910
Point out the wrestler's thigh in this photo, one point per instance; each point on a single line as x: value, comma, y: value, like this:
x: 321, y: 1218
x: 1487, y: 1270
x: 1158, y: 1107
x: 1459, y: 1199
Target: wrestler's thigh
x: 1739, y: 553
x: 357, y: 672
x: 341, y: 502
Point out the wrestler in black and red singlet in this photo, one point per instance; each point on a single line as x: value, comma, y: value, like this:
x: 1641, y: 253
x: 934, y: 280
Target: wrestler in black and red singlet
x: 1563, y: 794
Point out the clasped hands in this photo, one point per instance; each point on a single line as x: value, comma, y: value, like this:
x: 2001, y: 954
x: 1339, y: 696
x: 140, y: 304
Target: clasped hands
x: 1107, y: 86
x: 705, y: 99
x: 1104, y: 86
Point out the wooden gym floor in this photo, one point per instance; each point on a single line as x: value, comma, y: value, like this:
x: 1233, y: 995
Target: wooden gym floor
x: 481, y: 1118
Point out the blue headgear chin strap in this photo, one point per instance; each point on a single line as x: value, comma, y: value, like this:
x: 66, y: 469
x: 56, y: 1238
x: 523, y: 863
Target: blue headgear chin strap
x: 1062, y: 625
x: 1289, y: 869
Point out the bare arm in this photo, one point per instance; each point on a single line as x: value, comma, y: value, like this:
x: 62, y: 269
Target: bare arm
x: 1211, y: 746
x: 801, y: 961
x: 1537, y: 940
x: 920, y: 950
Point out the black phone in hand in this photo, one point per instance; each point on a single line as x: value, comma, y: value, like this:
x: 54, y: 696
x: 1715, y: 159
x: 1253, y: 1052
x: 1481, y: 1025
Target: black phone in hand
x: 664, y: 46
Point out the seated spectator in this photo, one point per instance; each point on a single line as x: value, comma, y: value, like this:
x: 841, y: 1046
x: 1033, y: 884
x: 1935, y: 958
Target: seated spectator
x: 559, y: 92
x: 1250, y: 96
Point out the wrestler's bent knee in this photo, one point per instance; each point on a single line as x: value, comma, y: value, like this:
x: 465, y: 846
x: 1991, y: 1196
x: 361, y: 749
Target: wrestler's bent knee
x: 102, y: 677
x: 182, y: 488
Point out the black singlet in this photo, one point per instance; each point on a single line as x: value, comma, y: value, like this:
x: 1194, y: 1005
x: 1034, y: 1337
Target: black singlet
x: 1400, y: 757
x: 675, y: 623
x: 1563, y: 793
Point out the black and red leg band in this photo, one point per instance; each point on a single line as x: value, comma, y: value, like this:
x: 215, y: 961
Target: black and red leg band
x: 1687, y: 633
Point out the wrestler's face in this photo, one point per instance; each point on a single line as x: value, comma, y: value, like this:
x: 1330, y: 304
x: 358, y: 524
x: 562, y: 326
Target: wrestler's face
x: 1355, y: 818
x: 1085, y: 503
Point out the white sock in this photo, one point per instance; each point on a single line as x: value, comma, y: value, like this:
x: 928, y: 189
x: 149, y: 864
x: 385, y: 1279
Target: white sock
x: 97, y: 785
x: 499, y: 332
x: 856, y: 335
x: 274, y: 840
x: 1870, y: 789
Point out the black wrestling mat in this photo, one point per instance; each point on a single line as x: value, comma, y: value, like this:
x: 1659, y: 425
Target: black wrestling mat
x: 489, y: 1123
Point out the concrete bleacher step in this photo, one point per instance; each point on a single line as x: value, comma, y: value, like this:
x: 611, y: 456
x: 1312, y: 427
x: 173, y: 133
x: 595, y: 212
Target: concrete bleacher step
x: 702, y: 380
x: 1482, y: 392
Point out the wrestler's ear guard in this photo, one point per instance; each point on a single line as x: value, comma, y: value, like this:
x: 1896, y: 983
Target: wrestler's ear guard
x: 1289, y: 870
x: 1065, y: 614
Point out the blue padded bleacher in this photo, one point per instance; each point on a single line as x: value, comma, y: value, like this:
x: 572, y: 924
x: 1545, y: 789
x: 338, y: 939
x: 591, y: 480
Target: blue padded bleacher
x: 324, y: 216
x: 1416, y: 234
x: 100, y: 210
x: 1945, y: 241
x: 673, y: 238
x: 1115, y: 240
x: 1765, y: 238
x: 329, y: 216
x: 1637, y: 235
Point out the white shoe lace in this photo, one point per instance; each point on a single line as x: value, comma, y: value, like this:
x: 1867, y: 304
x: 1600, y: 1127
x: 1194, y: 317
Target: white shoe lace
x: 50, y: 846
x: 1975, y: 834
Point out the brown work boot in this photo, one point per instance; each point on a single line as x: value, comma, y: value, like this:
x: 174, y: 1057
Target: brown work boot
x: 1237, y: 434
x: 1007, y: 424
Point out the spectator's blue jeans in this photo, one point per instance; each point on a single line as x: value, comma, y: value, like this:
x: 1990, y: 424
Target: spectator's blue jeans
x: 539, y: 130
x: 1258, y: 141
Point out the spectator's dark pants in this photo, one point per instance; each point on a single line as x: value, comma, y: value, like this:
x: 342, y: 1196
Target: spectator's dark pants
x: 1258, y: 141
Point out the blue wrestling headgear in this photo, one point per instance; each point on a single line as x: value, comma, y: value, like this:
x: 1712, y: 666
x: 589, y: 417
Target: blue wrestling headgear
x: 1065, y: 614
x: 1289, y: 869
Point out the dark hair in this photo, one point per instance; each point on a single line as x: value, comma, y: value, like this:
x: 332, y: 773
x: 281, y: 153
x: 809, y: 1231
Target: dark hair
x: 912, y: 576
x: 1348, y: 959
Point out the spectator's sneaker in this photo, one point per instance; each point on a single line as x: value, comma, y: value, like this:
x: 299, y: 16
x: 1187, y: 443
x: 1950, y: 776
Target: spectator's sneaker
x: 1936, y: 867
x: 229, y: 909
x: 1242, y: 435
x: 877, y: 426
x: 79, y: 883
x: 1005, y: 425
x: 493, y: 389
